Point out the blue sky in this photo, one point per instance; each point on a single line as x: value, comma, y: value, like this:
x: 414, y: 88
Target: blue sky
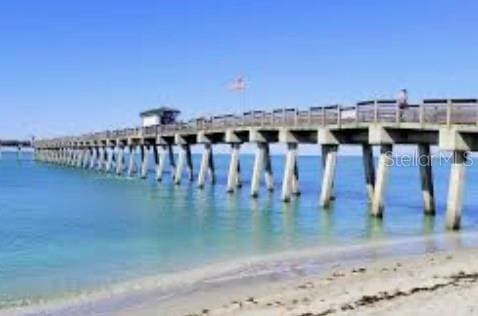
x: 73, y: 67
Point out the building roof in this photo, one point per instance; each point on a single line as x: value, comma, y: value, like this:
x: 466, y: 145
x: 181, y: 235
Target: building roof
x: 159, y: 111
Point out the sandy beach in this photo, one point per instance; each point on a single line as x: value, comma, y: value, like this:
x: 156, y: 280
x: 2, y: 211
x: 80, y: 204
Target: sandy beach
x: 444, y: 282
x: 423, y: 276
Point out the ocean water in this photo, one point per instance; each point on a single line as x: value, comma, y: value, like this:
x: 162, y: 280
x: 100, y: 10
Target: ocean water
x: 65, y: 231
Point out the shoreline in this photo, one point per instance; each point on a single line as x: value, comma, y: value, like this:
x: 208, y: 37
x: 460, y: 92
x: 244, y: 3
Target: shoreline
x: 166, y: 292
x: 442, y: 282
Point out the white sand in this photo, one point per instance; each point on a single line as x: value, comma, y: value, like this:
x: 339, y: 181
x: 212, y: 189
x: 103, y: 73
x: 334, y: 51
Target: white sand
x: 440, y: 283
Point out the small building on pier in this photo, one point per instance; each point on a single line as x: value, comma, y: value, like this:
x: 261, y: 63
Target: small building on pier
x: 159, y: 116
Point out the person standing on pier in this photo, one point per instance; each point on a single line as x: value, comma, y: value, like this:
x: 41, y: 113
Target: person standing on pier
x: 402, y: 101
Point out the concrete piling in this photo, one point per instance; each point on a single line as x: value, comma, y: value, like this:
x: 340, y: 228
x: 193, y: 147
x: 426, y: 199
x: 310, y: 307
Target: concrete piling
x: 369, y: 169
x: 180, y: 165
x: 234, y: 168
x: 92, y: 158
x: 144, y: 161
x: 212, y: 169
x: 109, y: 158
x: 132, y: 160
x: 426, y: 177
x: 295, y: 179
x: 189, y: 162
x: 269, y: 177
x: 288, y: 178
x: 203, y: 169
x: 160, y: 157
x: 86, y: 159
x: 330, y: 156
x: 324, y: 149
x: 455, y: 190
x: 258, y: 169
x: 120, y: 160
x: 172, y: 163
x: 100, y: 159
x: 384, y: 163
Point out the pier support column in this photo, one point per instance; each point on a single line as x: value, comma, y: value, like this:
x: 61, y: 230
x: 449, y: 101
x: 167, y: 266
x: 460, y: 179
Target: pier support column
x: 79, y: 156
x: 189, y: 162
x: 160, y: 158
x: 329, y: 153
x: 109, y: 151
x: 369, y: 169
x: 120, y: 160
x: 86, y: 158
x: 233, y: 174
x: 104, y: 162
x: 92, y: 157
x: 144, y: 161
x: 74, y: 157
x: 180, y: 165
x: 98, y: 158
x: 425, y: 161
x: 172, y: 162
x: 77, y: 161
x: 258, y: 169
x: 455, y: 190
x: 205, y: 165
x: 325, y: 148
x: 269, y: 176
x: 132, y: 160
x: 71, y: 156
x: 287, y: 180
x: 295, y: 178
x: 212, y: 168
x: 384, y: 163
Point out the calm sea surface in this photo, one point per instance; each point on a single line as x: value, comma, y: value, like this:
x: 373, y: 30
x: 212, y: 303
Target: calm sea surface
x: 66, y: 230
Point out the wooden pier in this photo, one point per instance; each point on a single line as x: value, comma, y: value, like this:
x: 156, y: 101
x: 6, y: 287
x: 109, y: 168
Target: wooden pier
x: 452, y: 124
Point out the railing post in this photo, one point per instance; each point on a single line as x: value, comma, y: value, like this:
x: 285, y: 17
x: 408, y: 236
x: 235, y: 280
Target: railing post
x: 356, y: 114
x: 296, y: 117
x: 448, y: 113
x: 476, y: 105
x: 397, y: 113
x: 323, y: 116
x: 421, y: 113
x: 375, y: 111
x: 309, y: 118
x: 339, y: 116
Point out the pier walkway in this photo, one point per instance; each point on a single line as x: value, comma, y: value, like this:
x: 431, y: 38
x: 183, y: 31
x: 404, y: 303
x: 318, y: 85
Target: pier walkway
x: 452, y: 124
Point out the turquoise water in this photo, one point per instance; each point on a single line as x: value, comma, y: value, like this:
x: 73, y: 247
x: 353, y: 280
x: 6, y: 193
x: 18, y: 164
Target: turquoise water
x: 66, y: 230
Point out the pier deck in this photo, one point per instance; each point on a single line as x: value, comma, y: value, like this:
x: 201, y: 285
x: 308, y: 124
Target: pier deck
x: 452, y: 124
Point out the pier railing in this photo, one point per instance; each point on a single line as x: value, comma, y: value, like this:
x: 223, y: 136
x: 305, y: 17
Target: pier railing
x: 428, y: 112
